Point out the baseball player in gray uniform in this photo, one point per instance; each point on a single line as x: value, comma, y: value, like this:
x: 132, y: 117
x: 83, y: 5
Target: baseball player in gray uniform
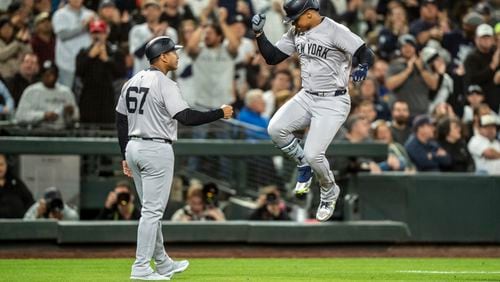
x: 327, y: 51
x: 148, y: 109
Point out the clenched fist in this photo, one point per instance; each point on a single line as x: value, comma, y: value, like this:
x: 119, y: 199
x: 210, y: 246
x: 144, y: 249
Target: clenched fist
x: 228, y: 111
x: 258, y: 22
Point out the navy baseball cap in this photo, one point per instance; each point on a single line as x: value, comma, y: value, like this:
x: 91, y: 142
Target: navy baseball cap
x: 421, y: 120
x: 420, y: 26
x: 160, y: 45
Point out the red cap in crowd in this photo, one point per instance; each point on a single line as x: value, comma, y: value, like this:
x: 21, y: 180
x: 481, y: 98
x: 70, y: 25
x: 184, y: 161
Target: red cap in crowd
x: 98, y: 26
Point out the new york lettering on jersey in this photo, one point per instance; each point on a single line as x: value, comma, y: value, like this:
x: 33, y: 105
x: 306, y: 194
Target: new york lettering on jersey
x: 325, y: 54
x: 312, y: 49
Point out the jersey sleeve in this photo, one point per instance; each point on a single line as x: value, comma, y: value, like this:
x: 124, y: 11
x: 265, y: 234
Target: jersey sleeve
x: 287, y: 44
x: 172, y: 98
x: 120, y: 106
x: 345, y: 40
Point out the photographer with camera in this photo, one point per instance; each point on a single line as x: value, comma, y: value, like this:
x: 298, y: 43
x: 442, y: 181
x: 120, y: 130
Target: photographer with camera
x: 51, y: 206
x: 271, y: 207
x: 202, y: 205
x: 119, y: 204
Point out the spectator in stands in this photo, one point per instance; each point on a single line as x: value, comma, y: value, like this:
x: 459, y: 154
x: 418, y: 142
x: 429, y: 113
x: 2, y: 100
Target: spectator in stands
x: 42, y: 6
x: 119, y: 204
x: 43, y: 40
x: 437, y: 67
x: 449, y: 132
x: 198, y: 6
x: 274, y: 28
x: 488, y: 12
x: 6, y: 102
x: 15, y: 197
x: 379, y: 71
x: 246, y: 51
x: 197, y: 208
x: 184, y: 72
x: 475, y: 97
x: 424, y: 32
x: 429, y: 14
x: 119, y: 24
x: 175, y: 11
x: 441, y: 111
x: 397, y: 159
x: 47, y: 104
x: 482, y: 64
x: 251, y: 114
x: 369, y: 91
x: 282, y: 80
x: 485, y: 148
x: 27, y: 75
x: 71, y: 28
x: 20, y: 13
x: 141, y: 34
x: 424, y: 152
x: 366, y: 109
x: 460, y: 41
x: 480, y: 111
x: 400, y: 128
x: 12, y: 47
x: 270, y: 206
x: 396, y: 24
x: 358, y: 131
x: 408, y: 78
x: 97, y: 68
x: 213, y: 62
x: 51, y: 206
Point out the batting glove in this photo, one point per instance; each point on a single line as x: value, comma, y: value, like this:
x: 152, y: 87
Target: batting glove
x: 360, y: 73
x: 258, y: 22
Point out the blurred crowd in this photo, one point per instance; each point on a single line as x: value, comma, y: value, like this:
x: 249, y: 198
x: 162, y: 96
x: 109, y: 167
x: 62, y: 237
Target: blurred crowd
x: 432, y: 95
x: 63, y: 63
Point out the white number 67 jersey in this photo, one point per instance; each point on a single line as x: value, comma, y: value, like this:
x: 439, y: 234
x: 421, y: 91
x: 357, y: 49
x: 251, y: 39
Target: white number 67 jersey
x: 150, y: 100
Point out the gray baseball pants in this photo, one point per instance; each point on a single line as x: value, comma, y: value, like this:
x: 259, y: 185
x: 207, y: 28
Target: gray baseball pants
x: 152, y: 165
x: 324, y: 115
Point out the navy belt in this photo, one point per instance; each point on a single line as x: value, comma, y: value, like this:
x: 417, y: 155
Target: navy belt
x: 339, y: 92
x: 151, y: 139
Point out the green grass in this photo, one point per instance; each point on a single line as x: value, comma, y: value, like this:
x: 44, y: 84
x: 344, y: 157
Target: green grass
x: 347, y: 269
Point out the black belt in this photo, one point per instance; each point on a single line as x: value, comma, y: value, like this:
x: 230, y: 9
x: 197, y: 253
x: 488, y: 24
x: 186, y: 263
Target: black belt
x: 151, y: 139
x: 339, y: 92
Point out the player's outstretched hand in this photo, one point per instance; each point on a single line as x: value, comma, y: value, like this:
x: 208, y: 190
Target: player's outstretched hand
x: 360, y: 73
x: 228, y: 111
x: 258, y: 22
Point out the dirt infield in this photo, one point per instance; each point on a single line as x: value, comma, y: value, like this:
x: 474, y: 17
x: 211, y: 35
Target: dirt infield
x: 32, y: 250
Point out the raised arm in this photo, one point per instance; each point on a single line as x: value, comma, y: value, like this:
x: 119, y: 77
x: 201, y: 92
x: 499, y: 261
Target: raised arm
x: 271, y: 53
x: 193, y: 45
x: 233, y: 41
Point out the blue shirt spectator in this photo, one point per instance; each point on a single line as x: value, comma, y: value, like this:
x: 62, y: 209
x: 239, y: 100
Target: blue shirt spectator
x: 251, y: 114
x: 6, y: 100
x: 423, y: 150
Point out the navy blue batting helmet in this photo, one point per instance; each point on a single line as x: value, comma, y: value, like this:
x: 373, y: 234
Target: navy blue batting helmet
x: 160, y: 45
x: 295, y: 8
